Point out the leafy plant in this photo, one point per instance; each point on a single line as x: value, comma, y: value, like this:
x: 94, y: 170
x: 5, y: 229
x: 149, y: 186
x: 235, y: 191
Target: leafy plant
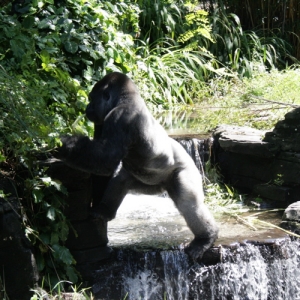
x: 51, y: 54
x: 271, y: 18
x: 161, y: 19
x: 199, y: 26
x: 175, y: 75
x: 243, y: 51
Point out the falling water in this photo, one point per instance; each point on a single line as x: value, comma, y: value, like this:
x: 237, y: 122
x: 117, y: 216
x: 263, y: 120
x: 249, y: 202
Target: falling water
x: 197, y: 149
x: 246, y: 272
x: 251, y: 272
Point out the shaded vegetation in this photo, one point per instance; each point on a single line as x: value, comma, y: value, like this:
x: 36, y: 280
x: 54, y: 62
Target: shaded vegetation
x: 271, y: 18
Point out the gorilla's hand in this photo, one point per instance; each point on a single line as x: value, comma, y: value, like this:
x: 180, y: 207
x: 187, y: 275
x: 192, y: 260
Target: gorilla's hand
x: 197, y: 247
x: 70, y: 144
x: 102, y: 211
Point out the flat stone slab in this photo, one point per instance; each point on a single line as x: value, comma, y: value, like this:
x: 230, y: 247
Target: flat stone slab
x: 260, y: 162
x: 244, y: 140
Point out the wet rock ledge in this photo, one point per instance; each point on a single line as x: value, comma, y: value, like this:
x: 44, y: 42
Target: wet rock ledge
x: 266, y: 164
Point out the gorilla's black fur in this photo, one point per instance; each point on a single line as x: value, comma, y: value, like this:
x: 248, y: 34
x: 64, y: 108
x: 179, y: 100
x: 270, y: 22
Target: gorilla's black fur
x: 126, y: 132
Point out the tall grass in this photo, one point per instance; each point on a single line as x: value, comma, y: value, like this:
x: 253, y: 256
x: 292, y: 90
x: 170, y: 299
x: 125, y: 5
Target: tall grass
x: 272, y: 17
x: 160, y: 19
x: 243, y: 51
x: 175, y: 76
x: 181, y: 47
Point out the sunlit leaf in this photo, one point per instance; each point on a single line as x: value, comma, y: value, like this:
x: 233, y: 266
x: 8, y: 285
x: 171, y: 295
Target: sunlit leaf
x: 51, y: 213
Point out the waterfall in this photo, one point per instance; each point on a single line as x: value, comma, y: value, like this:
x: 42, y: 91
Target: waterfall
x: 247, y: 272
x: 199, y: 150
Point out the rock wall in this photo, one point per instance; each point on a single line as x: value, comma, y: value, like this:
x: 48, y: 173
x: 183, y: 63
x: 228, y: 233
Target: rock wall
x: 263, y: 163
x: 17, y: 262
x: 88, y: 239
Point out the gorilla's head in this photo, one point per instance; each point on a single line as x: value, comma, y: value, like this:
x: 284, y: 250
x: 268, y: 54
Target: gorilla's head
x: 112, y: 90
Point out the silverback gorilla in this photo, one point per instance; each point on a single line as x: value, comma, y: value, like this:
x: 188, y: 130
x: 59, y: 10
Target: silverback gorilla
x: 151, y: 162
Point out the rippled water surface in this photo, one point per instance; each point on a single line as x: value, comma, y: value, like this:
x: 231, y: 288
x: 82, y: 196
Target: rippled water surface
x: 154, y: 221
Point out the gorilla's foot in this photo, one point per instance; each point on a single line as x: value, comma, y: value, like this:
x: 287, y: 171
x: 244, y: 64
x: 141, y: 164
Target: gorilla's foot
x: 196, y: 248
x: 102, y: 211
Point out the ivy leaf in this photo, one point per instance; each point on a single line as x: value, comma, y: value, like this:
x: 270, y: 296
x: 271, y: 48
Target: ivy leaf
x: 45, y: 56
x: 71, y: 47
x: 88, y: 73
x: 64, y: 231
x: 51, y: 213
x: 71, y: 273
x: 17, y: 48
x: 38, y: 195
x: 117, y: 57
x: 28, y: 22
x: 54, y: 238
x: 45, y: 238
x: 46, y: 23
x: 63, y: 254
x: 110, y: 52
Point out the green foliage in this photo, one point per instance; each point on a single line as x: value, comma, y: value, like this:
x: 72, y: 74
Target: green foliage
x: 243, y: 51
x: 173, y: 74
x: 169, y: 73
x: 47, y: 228
x: 70, y: 38
x: 161, y: 19
x: 51, y: 55
x: 199, y: 20
x: 28, y: 126
x: 268, y: 17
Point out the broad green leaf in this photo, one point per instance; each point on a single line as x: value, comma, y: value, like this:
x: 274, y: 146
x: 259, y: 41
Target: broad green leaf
x: 17, y: 48
x: 51, y: 213
x: 63, y: 254
x: 54, y: 238
x: 72, y: 274
x: 117, y: 57
x: 88, y: 73
x: 28, y: 22
x: 45, y: 56
x: 64, y: 231
x: 45, y: 238
x: 38, y: 195
x: 71, y: 46
x: 110, y: 52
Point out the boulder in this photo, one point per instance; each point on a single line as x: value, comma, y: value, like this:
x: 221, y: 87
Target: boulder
x: 291, y: 218
x: 87, y: 240
x: 18, y: 267
x: 260, y: 162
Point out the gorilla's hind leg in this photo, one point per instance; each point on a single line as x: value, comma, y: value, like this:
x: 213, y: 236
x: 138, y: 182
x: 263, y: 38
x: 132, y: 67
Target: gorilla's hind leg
x: 187, y: 193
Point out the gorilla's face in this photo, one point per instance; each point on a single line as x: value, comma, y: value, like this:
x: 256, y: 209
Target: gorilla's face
x: 100, y: 105
x: 105, y: 95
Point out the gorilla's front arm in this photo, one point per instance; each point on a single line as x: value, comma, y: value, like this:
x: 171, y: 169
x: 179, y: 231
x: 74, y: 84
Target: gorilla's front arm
x: 97, y: 156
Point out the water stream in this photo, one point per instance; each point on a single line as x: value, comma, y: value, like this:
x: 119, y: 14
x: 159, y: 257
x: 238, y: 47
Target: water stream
x: 248, y: 272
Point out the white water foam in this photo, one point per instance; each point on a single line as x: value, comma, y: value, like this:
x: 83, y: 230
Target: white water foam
x: 248, y: 273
